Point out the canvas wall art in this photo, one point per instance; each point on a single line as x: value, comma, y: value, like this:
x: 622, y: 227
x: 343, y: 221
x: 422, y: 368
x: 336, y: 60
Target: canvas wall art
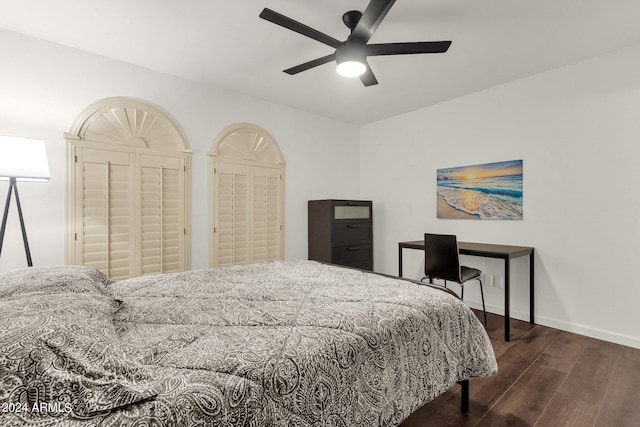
x: 486, y: 191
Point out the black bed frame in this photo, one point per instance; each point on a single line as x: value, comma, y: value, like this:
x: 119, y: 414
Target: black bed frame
x: 464, y: 399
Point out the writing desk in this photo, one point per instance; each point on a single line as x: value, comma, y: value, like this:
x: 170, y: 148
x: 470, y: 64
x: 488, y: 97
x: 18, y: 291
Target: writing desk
x: 487, y: 250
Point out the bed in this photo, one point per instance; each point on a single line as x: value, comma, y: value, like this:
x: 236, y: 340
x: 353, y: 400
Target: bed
x: 281, y: 343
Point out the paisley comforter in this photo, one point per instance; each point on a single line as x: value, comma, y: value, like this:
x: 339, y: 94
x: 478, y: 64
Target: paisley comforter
x: 283, y: 343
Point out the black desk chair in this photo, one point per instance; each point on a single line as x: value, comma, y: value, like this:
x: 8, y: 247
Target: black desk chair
x: 442, y: 261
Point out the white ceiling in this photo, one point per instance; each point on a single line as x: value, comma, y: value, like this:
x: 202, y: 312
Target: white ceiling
x: 225, y: 44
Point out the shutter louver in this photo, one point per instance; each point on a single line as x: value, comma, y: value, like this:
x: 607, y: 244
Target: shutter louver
x: 173, y: 223
x: 151, y: 221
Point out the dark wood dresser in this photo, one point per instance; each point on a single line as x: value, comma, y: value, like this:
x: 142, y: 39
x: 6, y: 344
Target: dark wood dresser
x: 341, y: 232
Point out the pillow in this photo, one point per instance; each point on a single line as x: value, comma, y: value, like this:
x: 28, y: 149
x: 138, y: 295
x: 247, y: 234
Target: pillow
x: 60, y: 356
x: 54, y: 279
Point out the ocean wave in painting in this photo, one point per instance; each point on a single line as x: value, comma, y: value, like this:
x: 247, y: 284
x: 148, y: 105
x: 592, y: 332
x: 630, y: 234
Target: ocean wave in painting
x: 485, y: 198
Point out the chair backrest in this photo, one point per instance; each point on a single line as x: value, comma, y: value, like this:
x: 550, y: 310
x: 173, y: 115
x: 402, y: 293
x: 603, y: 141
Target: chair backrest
x: 441, y: 258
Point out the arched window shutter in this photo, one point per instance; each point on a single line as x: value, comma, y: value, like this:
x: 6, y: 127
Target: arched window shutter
x: 247, y: 181
x: 128, y: 190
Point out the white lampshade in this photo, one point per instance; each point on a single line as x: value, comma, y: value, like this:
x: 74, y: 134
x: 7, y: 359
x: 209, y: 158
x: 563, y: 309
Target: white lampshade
x: 24, y: 159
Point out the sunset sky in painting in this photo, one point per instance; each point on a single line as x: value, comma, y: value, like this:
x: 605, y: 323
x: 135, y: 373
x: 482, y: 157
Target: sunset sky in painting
x: 489, y: 170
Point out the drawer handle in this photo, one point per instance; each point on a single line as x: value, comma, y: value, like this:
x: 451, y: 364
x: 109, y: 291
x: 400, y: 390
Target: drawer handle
x: 352, y: 226
x: 355, y: 248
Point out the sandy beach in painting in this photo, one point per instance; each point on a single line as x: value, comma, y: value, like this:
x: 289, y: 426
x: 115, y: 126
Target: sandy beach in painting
x: 446, y: 211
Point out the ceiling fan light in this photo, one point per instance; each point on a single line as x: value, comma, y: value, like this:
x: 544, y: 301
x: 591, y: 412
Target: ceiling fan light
x: 351, y: 68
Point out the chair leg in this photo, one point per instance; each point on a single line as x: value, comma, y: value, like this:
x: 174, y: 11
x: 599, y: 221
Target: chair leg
x: 483, y: 309
x: 461, y: 291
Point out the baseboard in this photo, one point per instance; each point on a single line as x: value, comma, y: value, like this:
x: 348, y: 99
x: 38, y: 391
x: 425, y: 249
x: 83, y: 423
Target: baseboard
x: 588, y: 331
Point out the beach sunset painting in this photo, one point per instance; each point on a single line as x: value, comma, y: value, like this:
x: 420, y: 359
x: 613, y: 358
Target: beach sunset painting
x: 487, y: 191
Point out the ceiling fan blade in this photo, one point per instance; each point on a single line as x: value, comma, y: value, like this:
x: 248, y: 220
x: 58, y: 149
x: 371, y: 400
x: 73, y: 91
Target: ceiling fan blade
x: 308, y: 65
x: 298, y: 27
x: 371, y: 18
x: 368, y: 78
x: 407, y: 48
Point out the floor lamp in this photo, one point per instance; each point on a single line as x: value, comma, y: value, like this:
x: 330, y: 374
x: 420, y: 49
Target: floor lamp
x: 21, y: 159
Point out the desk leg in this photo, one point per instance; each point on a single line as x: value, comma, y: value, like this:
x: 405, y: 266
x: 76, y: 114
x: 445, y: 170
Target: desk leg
x: 399, y: 261
x: 531, y: 289
x: 507, y: 297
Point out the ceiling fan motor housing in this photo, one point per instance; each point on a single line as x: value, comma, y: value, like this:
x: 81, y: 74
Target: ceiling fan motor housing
x: 351, y: 58
x: 352, y: 50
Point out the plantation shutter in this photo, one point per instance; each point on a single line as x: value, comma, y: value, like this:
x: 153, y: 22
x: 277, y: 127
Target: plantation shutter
x: 162, y: 216
x: 128, y: 190
x: 232, y: 225
x: 265, y: 196
x: 247, y: 197
x: 105, y: 235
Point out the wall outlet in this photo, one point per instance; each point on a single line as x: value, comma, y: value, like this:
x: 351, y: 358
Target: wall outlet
x: 491, y: 280
x: 501, y: 282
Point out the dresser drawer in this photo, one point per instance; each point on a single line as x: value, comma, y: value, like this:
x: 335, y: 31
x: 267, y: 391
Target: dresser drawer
x: 351, y: 234
x: 350, y: 210
x: 353, y: 255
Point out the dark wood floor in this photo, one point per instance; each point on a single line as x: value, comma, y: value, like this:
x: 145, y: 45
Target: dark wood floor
x: 546, y: 377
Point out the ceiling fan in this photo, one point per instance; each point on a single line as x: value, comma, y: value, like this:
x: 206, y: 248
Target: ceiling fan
x: 351, y: 55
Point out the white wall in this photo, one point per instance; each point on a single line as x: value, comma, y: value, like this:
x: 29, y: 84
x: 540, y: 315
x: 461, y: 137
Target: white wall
x: 577, y: 129
x: 44, y: 87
